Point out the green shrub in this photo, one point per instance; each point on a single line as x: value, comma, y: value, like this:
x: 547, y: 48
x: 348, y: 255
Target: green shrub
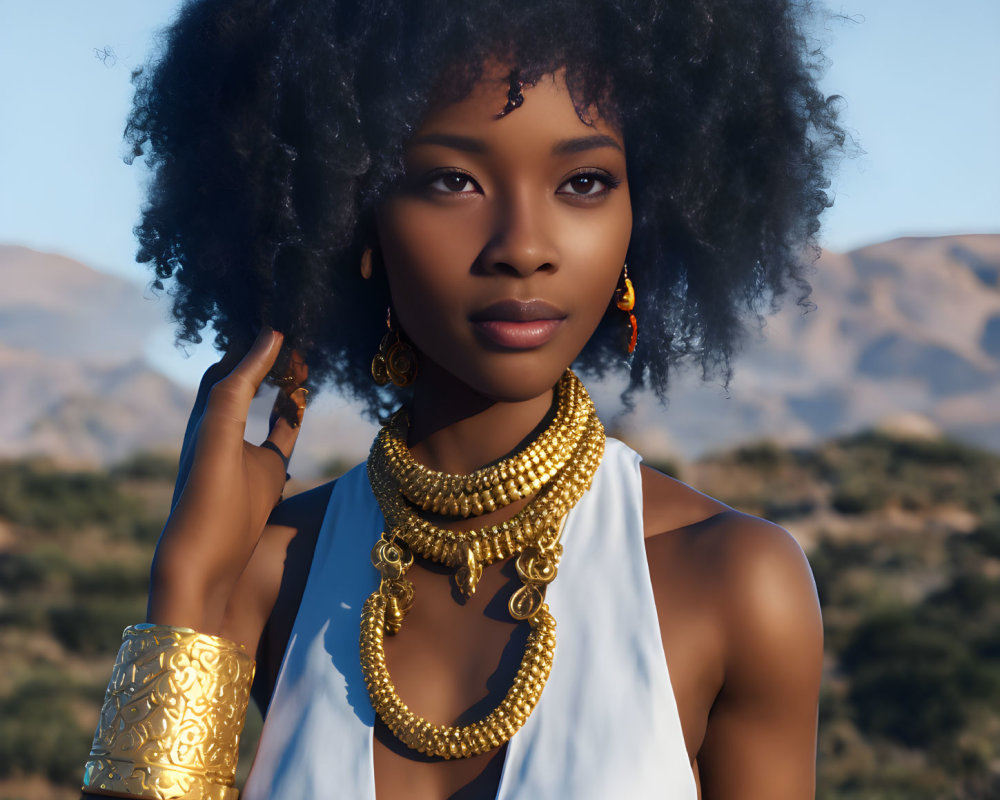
x: 987, y: 536
x: 44, y: 565
x: 146, y: 531
x: 908, y: 682
x: 27, y: 615
x: 871, y: 470
x: 19, y: 571
x: 40, y: 496
x: 147, y: 467
x: 830, y: 559
x: 94, y: 627
x: 860, y: 496
x: 38, y: 732
x: 111, y: 579
x: 764, y: 456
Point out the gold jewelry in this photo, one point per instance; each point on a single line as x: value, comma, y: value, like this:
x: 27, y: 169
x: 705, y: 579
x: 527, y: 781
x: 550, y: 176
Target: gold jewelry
x: 532, y: 534
x: 450, y: 741
x: 172, y: 716
x: 492, y: 487
x: 288, y: 372
x: 499, y: 541
x: 625, y: 300
x: 289, y: 405
x: 396, y: 359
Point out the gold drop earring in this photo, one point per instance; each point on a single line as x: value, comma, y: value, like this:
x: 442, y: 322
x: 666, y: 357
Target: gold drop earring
x: 396, y: 359
x: 625, y: 300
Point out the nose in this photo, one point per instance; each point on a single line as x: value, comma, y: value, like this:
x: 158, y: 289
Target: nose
x: 522, y: 242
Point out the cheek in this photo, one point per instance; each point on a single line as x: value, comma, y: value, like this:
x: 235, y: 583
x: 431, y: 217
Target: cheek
x: 595, y: 254
x: 427, y: 255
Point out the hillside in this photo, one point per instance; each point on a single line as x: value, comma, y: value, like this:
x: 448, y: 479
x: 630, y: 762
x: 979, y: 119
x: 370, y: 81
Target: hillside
x: 903, y: 535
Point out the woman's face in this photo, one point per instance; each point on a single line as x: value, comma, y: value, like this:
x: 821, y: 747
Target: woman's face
x: 505, y: 241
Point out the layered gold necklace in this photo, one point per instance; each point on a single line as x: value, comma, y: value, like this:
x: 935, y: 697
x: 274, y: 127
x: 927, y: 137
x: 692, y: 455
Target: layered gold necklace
x: 554, y: 470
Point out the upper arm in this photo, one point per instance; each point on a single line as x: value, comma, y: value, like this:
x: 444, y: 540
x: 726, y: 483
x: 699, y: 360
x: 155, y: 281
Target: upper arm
x: 278, y: 566
x: 760, y: 741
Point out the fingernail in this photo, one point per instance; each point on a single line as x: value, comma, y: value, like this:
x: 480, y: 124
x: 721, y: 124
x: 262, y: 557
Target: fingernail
x: 268, y: 334
x: 299, y: 398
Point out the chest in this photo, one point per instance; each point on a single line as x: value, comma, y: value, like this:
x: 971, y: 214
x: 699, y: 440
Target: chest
x: 456, y: 657
x: 607, y: 717
x: 452, y: 663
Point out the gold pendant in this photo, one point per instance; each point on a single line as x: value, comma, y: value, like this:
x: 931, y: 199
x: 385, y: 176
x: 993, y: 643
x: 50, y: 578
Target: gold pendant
x: 469, y: 573
x: 526, y: 601
x: 392, y: 559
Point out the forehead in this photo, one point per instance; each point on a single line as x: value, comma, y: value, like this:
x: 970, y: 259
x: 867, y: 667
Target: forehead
x: 547, y: 113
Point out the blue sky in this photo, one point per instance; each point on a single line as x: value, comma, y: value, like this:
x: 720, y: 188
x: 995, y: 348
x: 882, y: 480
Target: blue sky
x: 921, y: 82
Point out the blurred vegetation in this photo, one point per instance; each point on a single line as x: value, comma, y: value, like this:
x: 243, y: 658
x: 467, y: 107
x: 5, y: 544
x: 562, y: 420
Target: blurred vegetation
x: 904, y: 539
x: 903, y: 536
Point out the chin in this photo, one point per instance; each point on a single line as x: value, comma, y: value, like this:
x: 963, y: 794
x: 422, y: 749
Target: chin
x: 512, y: 377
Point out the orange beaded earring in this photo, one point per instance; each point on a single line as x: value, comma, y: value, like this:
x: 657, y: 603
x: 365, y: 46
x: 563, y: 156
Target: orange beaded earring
x: 625, y: 300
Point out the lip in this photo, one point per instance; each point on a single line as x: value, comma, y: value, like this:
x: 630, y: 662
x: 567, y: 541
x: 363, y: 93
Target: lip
x: 517, y: 324
x: 518, y: 311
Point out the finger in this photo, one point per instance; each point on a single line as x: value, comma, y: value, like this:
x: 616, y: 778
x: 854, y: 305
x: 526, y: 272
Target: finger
x: 289, y: 409
x: 212, y: 375
x: 269, y: 445
x: 289, y: 405
x: 231, y: 396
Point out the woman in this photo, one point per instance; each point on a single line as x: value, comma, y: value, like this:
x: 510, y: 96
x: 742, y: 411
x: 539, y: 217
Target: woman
x: 604, y: 185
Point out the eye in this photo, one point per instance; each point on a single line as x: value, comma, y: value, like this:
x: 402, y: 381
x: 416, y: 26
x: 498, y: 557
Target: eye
x: 452, y: 183
x: 588, y: 184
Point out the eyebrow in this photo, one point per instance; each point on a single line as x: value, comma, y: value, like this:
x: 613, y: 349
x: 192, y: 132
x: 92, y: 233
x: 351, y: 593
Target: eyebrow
x: 583, y: 143
x: 467, y: 144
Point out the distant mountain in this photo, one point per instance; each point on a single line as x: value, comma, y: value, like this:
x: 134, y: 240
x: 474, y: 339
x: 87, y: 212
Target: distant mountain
x: 906, y: 335
x: 75, y: 385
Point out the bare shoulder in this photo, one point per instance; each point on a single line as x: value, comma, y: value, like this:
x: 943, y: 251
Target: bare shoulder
x: 670, y: 505
x: 737, y: 556
x: 741, y: 625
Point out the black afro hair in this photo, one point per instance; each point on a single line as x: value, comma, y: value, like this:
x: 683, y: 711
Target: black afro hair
x: 274, y: 128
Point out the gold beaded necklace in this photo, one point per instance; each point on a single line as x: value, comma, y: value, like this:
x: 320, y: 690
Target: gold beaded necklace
x: 493, y: 487
x: 558, y: 467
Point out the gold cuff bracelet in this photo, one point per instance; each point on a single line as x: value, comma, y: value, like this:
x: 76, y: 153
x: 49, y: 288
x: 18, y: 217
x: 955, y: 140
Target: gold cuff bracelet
x: 172, y: 717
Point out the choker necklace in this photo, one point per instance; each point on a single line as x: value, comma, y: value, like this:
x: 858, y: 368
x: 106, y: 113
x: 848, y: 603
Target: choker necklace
x: 557, y: 468
x: 495, y: 486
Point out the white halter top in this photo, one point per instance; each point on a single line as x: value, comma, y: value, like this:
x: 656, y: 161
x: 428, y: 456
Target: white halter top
x: 606, y: 725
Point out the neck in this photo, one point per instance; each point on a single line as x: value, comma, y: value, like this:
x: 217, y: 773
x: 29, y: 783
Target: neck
x: 455, y: 429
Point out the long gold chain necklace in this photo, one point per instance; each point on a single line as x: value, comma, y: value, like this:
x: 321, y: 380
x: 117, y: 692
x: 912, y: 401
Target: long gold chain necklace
x: 563, y: 461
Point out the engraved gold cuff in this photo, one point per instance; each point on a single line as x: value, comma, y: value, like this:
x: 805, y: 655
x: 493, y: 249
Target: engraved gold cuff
x: 172, y: 717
